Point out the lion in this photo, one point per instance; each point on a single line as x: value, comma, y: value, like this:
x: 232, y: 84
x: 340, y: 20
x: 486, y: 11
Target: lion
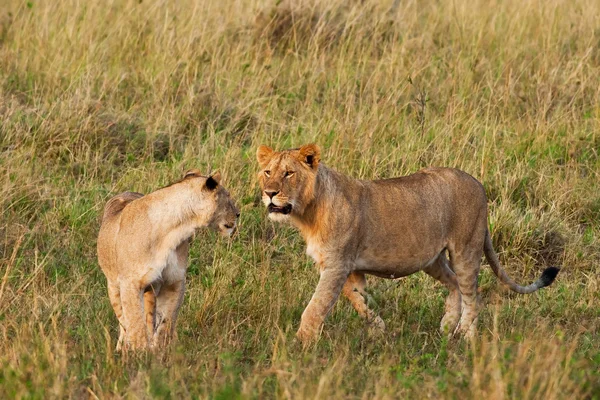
x: 143, y: 247
x: 389, y: 228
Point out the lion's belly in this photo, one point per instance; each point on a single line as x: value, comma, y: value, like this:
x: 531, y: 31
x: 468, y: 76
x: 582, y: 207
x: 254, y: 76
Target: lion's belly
x: 393, y: 268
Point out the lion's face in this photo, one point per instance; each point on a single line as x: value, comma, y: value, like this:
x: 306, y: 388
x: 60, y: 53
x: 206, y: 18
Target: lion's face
x: 287, y: 179
x: 224, y: 218
x: 226, y: 213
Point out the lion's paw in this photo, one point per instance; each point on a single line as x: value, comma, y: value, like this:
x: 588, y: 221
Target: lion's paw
x: 307, y: 335
x: 376, y: 326
x: 449, y: 324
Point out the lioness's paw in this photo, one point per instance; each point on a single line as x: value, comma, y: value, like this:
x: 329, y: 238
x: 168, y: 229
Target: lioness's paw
x: 135, y: 343
x: 307, y: 335
x: 375, y: 333
x: 376, y: 326
x: 378, y: 323
x: 449, y: 324
x: 465, y: 331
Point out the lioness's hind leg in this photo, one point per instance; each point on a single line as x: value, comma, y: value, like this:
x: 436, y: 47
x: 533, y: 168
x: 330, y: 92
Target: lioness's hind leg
x: 467, y: 271
x: 442, y: 272
x: 354, y: 290
x: 150, y: 310
x: 114, y: 296
x: 132, y: 297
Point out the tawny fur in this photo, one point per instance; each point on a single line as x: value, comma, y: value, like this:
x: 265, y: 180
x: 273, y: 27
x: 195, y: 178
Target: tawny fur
x: 143, y: 248
x: 389, y: 228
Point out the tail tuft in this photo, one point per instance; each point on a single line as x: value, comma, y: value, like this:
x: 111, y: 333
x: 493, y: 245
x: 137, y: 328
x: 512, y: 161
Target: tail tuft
x: 548, y: 276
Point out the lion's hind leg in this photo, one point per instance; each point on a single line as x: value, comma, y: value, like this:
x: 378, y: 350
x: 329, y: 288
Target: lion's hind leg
x: 466, y: 267
x: 150, y: 309
x: 354, y: 290
x: 132, y: 297
x: 114, y: 296
x: 442, y: 272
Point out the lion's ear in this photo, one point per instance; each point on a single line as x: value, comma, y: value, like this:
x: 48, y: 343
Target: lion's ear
x: 192, y: 173
x: 213, y: 181
x: 310, y: 154
x: 263, y: 155
x: 216, y: 177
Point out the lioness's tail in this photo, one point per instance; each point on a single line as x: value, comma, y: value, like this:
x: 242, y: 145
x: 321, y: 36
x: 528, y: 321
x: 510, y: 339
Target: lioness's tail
x: 117, y: 203
x: 546, y: 279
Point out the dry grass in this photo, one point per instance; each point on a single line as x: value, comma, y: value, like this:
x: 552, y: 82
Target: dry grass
x: 101, y: 96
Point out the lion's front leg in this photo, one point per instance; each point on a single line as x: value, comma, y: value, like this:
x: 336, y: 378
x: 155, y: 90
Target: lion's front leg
x: 327, y: 292
x: 168, y: 303
x: 354, y: 290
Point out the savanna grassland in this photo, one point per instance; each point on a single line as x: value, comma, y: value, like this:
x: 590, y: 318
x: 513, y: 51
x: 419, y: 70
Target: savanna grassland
x: 98, y: 97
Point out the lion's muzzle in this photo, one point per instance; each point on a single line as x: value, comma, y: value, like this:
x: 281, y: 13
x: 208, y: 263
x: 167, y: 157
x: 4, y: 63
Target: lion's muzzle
x: 272, y: 208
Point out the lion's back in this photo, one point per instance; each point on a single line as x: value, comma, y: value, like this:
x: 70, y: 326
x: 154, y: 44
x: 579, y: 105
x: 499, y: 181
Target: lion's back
x: 417, y: 207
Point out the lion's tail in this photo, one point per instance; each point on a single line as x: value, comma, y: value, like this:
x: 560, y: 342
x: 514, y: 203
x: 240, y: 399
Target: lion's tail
x: 117, y: 203
x: 546, y: 279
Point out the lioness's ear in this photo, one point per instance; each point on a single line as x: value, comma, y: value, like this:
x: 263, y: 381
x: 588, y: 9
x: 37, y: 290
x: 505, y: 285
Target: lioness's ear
x: 310, y: 154
x: 263, y: 155
x: 191, y: 173
x: 216, y: 176
x: 213, y: 181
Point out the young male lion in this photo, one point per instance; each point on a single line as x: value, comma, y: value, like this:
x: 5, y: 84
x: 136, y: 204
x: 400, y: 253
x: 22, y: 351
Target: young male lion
x: 389, y: 228
x: 143, y: 248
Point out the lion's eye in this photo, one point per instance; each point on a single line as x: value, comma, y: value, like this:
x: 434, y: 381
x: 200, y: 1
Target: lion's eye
x: 289, y: 173
x: 267, y: 173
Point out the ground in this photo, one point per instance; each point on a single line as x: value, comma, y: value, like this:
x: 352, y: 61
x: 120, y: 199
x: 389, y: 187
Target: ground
x: 100, y: 97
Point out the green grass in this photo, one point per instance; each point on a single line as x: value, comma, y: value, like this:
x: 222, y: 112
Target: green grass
x: 100, y: 97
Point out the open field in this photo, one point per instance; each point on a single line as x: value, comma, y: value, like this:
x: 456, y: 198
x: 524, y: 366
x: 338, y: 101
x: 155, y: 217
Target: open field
x: 98, y: 97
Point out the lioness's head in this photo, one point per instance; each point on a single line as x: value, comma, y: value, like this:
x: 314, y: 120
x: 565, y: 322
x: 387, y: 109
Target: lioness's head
x: 287, y: 179
x: 224, y: 218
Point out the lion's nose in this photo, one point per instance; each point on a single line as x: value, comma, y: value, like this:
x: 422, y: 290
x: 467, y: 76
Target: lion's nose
x: 229, y: 226
x: 271, y: 193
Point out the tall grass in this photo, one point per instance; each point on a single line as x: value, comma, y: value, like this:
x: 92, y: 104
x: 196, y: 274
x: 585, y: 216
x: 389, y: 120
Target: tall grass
x: 98, y: 97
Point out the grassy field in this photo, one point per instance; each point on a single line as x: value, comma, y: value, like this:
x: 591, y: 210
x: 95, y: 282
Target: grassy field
x: 98, y: 97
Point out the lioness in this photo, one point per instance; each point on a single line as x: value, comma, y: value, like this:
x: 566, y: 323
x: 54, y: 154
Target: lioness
x: 389, y: 228
x: 143, y: 248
